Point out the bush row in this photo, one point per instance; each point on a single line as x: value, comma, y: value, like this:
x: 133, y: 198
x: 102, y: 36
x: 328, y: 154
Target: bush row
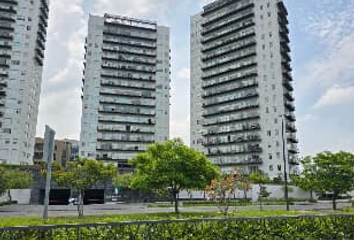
x: 306, y: 228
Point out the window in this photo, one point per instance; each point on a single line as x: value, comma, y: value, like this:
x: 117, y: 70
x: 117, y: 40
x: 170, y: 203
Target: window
x: 279, y: 168
x: 270, y: 156
x: 269, y: 133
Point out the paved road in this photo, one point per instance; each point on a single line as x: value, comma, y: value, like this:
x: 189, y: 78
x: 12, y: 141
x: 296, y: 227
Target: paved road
x: 119, y: 208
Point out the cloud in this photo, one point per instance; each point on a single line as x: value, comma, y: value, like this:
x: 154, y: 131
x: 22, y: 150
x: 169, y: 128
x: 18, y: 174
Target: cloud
x: 184, y: 73
x: 180, y: 128
x: 60, y: 104
x: 335, y: 96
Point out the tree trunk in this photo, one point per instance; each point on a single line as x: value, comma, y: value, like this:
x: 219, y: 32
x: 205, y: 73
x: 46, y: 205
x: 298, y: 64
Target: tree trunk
x: 80, y: 205
x: 311, y: 195
x: 175, y: 199
x: 9, y: 195
x: 334, y: 201
x: 260, y: 204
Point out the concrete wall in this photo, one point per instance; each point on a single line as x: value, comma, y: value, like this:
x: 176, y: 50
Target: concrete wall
x: 22, y: 196
x: 276, y: 191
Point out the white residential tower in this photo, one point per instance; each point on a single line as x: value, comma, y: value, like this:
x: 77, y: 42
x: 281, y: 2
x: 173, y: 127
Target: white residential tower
x: 242, y: 104
x: 23, y: 30
x: 126, y: 88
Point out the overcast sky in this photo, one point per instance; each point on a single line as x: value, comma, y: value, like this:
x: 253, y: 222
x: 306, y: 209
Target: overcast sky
x: 322, y: 42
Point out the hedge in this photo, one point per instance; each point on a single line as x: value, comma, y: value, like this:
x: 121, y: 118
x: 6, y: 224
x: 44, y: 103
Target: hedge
x: 300, y: 227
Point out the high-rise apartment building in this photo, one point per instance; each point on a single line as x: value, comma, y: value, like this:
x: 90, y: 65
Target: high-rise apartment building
x: 242, y: 103
x: 126, y: 88
x: 23, y: 30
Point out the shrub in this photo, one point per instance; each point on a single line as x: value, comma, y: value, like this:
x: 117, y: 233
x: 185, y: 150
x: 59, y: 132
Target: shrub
x: 306, y: 227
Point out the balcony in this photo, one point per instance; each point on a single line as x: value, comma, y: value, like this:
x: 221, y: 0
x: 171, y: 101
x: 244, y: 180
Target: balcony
x: 241, y: 17
x: 241, y: 139
x: 133, y: 61
x: 230, y: 79
x: 290, y: 106
x: 230, y: 110
x: 292, y: 138
x: 212, y: 103
x: 288, y: 85
x: 132, y: 104
x: 291, y: 117
x: 4, y: 74
x: 248, y: 150
x: 293, y: 161
x: 5, y: 46
x: 129, y: 52
x: 131, y: 44
x: 230, y: 70
x: 240, y: 57
x: 40, y: 44
x: 133, y: 132
x: 126, y: 112
x: 121, y: 140
x: 230, y: 31
x: 230, y: 11
x: 231, y: 120
x: 230, y: 89
x: 133, y: 150
x: 149, y: 122
x: 149, y: 70
x: 290, y: 127
x: 128, y: 76
x: 245, y: 128
x: 126, y: 94
x: 127, y: 86
x: 230, y: 49
x: 231, y: 40
x: 129, y: 35
x: 289, y: 96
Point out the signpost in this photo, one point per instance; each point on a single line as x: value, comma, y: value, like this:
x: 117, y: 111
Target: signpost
x: 48, y: 150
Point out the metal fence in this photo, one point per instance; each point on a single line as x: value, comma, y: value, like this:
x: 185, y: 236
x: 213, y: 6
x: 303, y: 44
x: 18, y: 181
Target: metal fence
x: 297, y: 227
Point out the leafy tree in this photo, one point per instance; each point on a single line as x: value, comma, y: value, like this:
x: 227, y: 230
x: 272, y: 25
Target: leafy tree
x: 222, y: 190
x: 2, y: 181
x: 16, y: 179
x: 172, y: 166
x: 83, y: 174
x: 123, y: 180
x: 307, y: 179
x: 332, y: 173
x: 261, y: 180
x: 13, y: 178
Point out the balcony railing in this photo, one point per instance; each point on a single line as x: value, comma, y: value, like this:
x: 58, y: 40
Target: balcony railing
x: 238, y: 140
x: 230, y: 88
x: 251, y: 149
x: 229, y: 109
x: 231, y: 120
x: 232, y: 98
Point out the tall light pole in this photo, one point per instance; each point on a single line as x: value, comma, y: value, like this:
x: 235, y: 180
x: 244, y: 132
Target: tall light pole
x: 286, y: 190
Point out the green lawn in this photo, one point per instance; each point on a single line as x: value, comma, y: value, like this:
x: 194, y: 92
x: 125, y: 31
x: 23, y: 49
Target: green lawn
x: 35, y: 221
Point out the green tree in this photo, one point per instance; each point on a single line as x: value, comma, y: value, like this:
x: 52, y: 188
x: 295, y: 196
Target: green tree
x: 307, y: 179
x: 333, y: 173
x: 2, y: 181
x: 83, y: 174
x: 261, y: 180
x: 172, y: 166
x: 16, y: 179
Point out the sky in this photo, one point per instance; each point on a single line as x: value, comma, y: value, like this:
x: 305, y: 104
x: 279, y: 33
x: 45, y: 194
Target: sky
x: 322, y: 43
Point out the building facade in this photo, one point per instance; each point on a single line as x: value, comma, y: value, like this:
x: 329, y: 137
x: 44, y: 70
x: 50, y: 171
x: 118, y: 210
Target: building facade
x: 23, y: 30
x: 64, y: 151
x: 126, y: 88
x: 242, y: 103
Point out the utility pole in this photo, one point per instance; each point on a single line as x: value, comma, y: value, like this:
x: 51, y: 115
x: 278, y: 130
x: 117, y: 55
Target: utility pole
x: 48, y: 150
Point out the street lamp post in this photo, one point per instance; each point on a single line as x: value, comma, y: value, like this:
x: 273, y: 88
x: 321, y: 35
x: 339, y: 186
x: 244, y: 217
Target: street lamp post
x: 286, y: 190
